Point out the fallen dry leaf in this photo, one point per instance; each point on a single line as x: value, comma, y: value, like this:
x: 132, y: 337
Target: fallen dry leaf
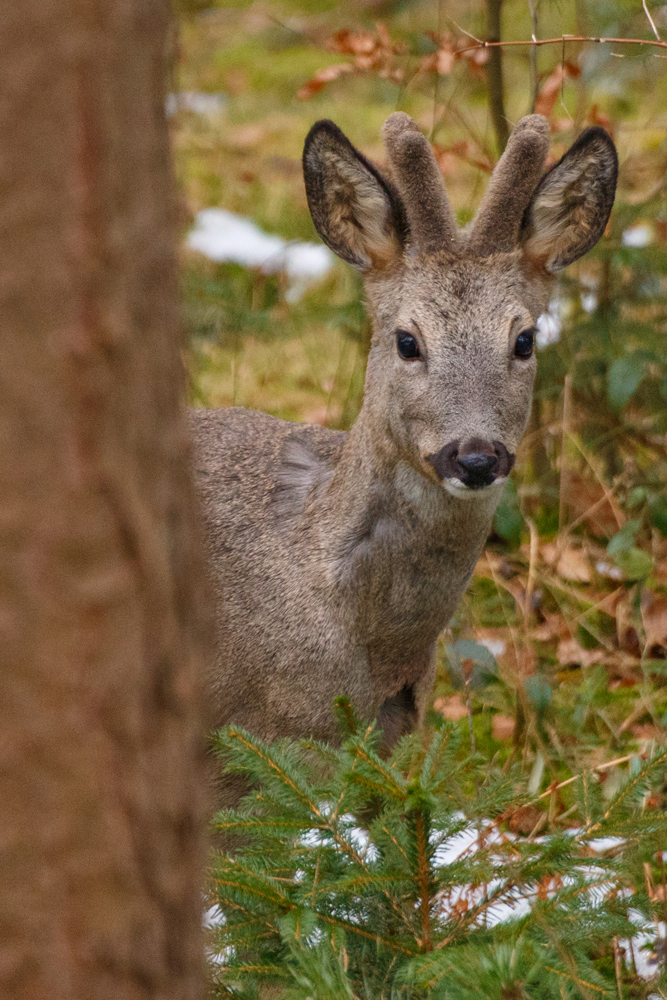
x: 570, y: 653
x: 574, y: 566
x: 654, y: 617
x: 549, y: 552
x: 645, y: 732
x: 587, y: 501
x: 626, y: 633
x: 553, y: 627
x: 451, y: 708
x: 502, y: 727
x: 525, y: 819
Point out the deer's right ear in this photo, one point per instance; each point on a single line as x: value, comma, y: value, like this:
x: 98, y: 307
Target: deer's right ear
x: 357, y: 212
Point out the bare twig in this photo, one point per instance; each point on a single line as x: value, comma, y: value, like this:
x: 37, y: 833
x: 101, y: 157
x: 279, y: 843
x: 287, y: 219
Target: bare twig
x: 593, y: 466
x: 568, y: 781
x: 601, y: 40
x: 464, y: 32
x: 534, y: 553
x: 650, y: 20
x: 564, y: 478
x: 617, y: 968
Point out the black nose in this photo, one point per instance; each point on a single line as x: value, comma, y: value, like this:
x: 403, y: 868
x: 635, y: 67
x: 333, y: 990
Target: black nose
x: 476, y: 464
x: 477, y: 469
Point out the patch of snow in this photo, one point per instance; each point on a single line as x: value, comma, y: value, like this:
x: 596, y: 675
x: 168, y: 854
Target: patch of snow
x: 495, y: 646
x: 644, y: 944
x: 195, y: 101
x: 600, y: 844
x: 501, y: 912
x: 589, y: 301
x: 226, y: 237
x: 640, y: 235
x: 549, y: 325
x: 609, y: 570
x: 213, y: 917
x: 455, y: 847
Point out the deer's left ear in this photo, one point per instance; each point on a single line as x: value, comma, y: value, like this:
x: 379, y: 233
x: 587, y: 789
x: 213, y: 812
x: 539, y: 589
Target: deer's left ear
x: 568, y: 213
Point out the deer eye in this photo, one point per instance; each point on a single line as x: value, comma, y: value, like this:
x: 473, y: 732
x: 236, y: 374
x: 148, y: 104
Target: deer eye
x: 523, y: 346
x: 407, y: 345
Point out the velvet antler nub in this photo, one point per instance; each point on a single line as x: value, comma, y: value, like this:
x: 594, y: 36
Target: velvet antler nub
x: 495, y: 228
x: 420, y: 182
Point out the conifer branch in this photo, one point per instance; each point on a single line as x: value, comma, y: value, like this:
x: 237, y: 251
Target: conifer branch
x: 262, y: 753
x: 424, y: 880
x: 389, y: 943
x: 574, y: 979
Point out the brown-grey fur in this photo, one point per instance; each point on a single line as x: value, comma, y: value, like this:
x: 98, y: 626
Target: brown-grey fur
x: 337, y: 558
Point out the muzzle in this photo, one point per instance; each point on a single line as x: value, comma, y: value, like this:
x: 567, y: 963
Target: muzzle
x: 476, y: 464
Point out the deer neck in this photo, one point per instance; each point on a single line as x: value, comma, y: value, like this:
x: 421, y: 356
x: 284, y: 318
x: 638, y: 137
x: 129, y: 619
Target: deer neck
x: 396, y: 547
x: 378, y: 501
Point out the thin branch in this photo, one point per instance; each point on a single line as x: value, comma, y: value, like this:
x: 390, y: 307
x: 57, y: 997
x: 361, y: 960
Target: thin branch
x: 564, y: 470
x: 567, y: 38
x: 464, y: 32
x: 530, y: 584
x: 650, y: 20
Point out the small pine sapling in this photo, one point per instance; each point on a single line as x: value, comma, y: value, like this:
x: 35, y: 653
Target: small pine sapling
x: 361, y: 878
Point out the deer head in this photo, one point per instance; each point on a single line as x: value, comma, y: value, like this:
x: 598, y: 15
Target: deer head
x: 451, y: 365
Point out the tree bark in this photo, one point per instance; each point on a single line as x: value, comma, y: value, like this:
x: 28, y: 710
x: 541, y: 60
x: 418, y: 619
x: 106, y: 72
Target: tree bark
x: 101, y: 633
x: 494, y: 74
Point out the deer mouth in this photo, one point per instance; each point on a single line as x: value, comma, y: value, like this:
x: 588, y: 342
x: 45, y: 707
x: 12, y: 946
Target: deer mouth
x: 456, y: 488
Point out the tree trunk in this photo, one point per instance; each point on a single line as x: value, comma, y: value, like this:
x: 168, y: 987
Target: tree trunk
x: 494, y: 74
x: 101, y: 633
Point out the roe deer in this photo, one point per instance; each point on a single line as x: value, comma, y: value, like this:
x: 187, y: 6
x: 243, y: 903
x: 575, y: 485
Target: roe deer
x: 337, y: 558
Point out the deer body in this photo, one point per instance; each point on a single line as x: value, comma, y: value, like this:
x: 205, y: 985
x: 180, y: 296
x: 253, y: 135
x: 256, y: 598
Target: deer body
x: 335, y: 585
x: 337, y: 558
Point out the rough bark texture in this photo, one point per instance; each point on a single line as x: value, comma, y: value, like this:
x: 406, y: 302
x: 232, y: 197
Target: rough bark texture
x: 101, y: 639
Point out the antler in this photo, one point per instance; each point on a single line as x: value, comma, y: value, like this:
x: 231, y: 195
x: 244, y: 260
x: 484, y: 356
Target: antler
x: 432, y: 225
x: 496, y: 226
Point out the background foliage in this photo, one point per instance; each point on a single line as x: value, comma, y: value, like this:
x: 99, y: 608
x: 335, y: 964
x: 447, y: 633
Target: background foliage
x: 555, y: 663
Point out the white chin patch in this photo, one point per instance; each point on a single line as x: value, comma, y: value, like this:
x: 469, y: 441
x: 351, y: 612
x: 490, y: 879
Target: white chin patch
x: 459, y: 489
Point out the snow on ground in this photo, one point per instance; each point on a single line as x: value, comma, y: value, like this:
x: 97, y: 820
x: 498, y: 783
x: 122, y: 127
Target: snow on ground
x: 195, y: 101
x: 640, y: 235
x: 549, y: 326
x: 226, y: 237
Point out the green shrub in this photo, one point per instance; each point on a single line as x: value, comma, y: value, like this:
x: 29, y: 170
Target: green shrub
x: 367, y: 878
